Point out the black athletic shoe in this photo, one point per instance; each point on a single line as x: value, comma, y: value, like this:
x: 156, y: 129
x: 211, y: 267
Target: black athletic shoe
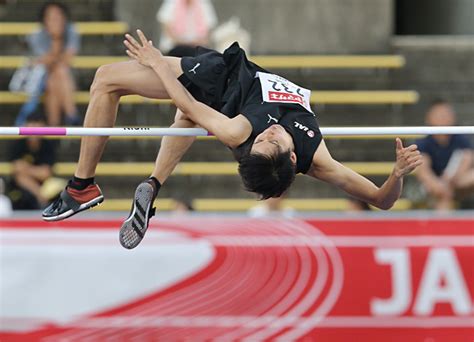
x: 72, y: 201
x: 135, y: 226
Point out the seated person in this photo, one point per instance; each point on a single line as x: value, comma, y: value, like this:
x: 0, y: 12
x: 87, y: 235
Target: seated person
x: 272, y: 207
x: 54, y: 46
x: 181, y: 206
x: 447, y: 171
x: 185, y: 24
x: 355, y: 205
x: 32, y: 160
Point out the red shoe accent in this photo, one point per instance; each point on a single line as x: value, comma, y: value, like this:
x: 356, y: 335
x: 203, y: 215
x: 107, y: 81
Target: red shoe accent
x: 86, y: 195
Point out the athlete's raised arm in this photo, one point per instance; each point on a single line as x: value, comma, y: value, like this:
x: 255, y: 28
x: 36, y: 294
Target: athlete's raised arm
x: 231, y: 132
x: 324, y: 167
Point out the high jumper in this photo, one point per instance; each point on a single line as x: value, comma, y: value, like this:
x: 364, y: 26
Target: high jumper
x: 264, y: 119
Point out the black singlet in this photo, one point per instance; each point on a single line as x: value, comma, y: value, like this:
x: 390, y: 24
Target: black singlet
x: 227, y: 82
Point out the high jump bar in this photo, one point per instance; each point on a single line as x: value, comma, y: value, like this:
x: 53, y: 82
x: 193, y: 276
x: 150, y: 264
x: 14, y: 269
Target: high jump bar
x: 161, y: 131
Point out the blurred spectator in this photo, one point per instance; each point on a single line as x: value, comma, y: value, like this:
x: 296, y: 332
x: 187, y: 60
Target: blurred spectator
x: 447, y: 173
x: 53, y: 48
x: 231, y: 31
x: 272, y: 207
x: 32, y: 159
x: 5, y: 203
x: 185, y: 24
x: 182, y: 206
x: 355, y: 204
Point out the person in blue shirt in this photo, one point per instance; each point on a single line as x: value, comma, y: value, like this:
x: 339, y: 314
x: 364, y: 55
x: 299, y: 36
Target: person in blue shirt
x: 54, y: 45
x: 447, y: 169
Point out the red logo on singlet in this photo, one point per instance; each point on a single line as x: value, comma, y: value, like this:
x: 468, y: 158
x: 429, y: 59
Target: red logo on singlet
x: 285, y: 97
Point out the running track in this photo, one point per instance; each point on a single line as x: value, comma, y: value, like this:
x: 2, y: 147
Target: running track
x: 267, y: 280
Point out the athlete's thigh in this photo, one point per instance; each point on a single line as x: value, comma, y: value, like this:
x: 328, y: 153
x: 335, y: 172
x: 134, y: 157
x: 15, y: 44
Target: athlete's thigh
x: 131, y: 77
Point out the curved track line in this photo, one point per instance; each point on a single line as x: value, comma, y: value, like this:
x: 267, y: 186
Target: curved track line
x: 171, y: 300
x: 332, y: 296
x: 214, y: 298
x: 288, y: 294
x: 303, y: 303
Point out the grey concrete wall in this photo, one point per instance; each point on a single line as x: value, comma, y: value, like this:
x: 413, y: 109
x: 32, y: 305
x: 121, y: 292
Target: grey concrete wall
x: 296, y: 26
x: 462, y: 18
x: 437, y: 67
x: 139, y: 14
x: 81, y: 10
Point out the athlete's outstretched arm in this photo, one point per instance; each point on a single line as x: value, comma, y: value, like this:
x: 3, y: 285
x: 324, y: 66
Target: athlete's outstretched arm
x: 231, y: 132
x: 324, y: 167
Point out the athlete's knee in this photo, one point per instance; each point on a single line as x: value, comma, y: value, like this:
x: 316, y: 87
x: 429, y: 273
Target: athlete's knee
x: 103, y: 79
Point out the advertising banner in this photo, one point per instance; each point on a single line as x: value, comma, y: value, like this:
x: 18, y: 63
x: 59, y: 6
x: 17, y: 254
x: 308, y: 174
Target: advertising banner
x: 227, y: 279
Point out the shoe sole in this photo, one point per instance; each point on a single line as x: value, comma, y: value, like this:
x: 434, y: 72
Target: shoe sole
x: 135, y: 226
x: 88, y: 205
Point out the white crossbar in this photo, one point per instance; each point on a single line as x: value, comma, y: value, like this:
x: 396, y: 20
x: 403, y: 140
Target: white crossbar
x: 158, y: 131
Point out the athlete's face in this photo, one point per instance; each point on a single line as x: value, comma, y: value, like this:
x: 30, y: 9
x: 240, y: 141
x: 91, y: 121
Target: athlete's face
x: 273, y: 140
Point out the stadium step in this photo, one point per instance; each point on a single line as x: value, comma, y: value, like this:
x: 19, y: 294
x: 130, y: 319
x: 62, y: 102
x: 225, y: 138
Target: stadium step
x: 191, y: 168
x: 318, y: 97
x: 271, y: 62
x: 231, y: 204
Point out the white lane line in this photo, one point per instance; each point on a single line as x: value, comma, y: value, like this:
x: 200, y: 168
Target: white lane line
x: 332, y: 296
x: 209, y: 302
x: 269, y: 321
x: 46, y: 238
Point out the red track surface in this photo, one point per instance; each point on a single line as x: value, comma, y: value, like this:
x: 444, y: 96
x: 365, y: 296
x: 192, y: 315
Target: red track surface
x: 287, y: 280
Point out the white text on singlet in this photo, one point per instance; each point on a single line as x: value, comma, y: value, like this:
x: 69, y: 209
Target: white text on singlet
x: 278, y: 89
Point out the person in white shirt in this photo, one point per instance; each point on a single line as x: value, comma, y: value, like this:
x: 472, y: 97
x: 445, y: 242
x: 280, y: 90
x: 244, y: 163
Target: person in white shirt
x: 271, y: 207
x: 185, y: 25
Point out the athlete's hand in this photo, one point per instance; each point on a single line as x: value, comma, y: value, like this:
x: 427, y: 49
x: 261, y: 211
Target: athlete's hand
x: 144, y: 52
x: 408, y: 159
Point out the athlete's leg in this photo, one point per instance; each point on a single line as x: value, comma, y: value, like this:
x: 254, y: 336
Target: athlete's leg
x: 172, y: 149
x: 110, y: 83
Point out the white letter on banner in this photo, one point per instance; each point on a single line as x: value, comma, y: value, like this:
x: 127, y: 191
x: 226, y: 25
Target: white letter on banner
x: 399, y: 260
x: 442, y: 264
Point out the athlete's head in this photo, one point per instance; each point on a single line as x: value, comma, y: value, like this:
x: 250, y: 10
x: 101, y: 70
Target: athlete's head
x: 270, y: 166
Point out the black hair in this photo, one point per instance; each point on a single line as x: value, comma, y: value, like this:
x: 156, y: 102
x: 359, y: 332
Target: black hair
x: 268, y: 176
x: 64, y: 9
x: 438, y: 101
x: 186, y: 202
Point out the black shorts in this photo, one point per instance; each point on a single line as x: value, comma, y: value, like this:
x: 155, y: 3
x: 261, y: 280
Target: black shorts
x: 205, y: 76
